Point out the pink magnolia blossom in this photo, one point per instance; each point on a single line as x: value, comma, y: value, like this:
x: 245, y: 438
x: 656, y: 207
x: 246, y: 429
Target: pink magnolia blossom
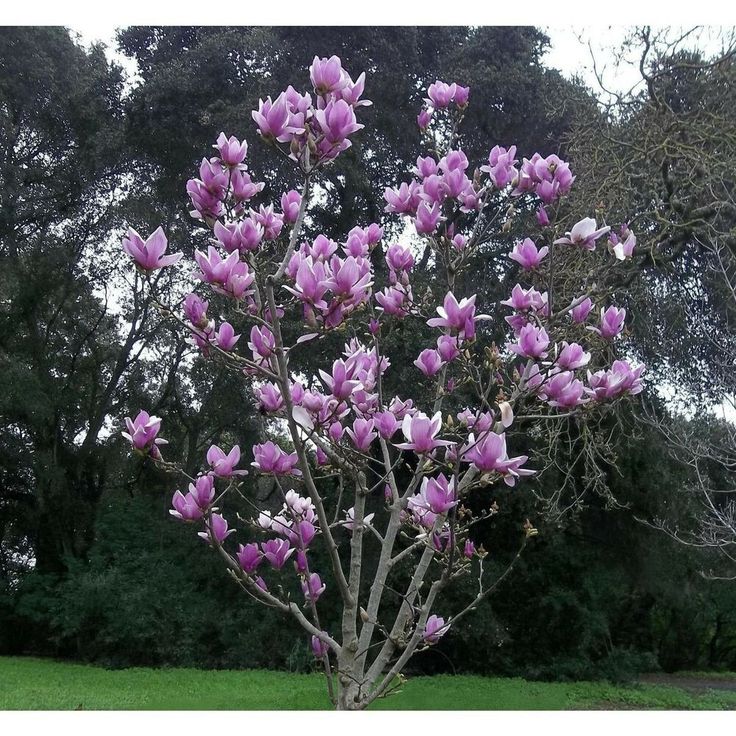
x: 429, y: 362
x: 526, y: 254
x: 290, y: 203
x: 313, y: 587
x: 501, y: 166
x: 489, y: 454
x: 386, y: 424
x: 337, y: 121
x: 270, y: 398
x: 454, y: 315
x: 421, y: 432
x: 249, y: 557
x: 579, y: 313
x: 533, y: 342
x: 424, y: 118
x: 434, y: 629
x: 223, y: 466
x: 612, y: 323
x: 277, y: 552
x: 273, y: 119
x: 327, y: 75
x: 427, y: 218
x: 441, y: 94
x: 143, y: 433
x: 270, y: 458
x: 362, y: 433
x: 584, y: 234
x: 225, y: 337
x: 218, y: 528
x: 319, y: 647
x: 621, y: 378
x: 186, y: 507
x: 572, y: 356
x: 622, y: 244
x: 447, y: 348
x: 149, y: 254
x: 439, y: 493
x: 232, y: 151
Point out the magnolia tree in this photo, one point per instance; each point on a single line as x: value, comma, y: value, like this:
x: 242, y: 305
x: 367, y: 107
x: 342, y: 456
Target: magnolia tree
x: 419, y: 462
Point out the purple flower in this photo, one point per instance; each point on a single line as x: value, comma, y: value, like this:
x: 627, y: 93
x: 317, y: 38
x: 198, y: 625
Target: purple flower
x: 149, y: 255
x: 622, y: 245
x: 527, y: 255
x: 439, y: 493
x: 572, y: 356
x: 313, y: 587
x: 327, y: 75
x: 420, y: 433
x: 489, y: 454
x: 270, y: 458
x: 424, y: 118
x: 583, y: 233
x: 386, y: 423
x: 393, y: 300
x: 580, y: 312
x: 232, y: 151
x: 202, y: 491
x: 429, y: 362
x: 225, y: 338
x: 277, y: 552
x: 621, y: 378
x: 427, y: 217
x: 454, y: 315
x: 337, y: 121
x: 533, y: 342
x: 223, y: 465
x: 469, y: 549
x: 442, y: 94
x: 403, y: 200
x: 186, y: 507
x: 434, y: 629
x: 273, y: 118
x: 218, y: 528
x: 447, y: 348
x: 249, y: 557
x: 195, y: 310
x: 362, y: 434
x: 290, y: 204
x: 399, y: 258
x: 612, y: 322
x: 269, y: 396
x: 319, y: 647
x: 501, y: 166
x: 142, y: 433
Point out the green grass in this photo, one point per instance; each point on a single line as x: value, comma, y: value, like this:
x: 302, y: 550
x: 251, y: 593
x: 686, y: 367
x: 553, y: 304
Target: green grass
x: 27, y: 683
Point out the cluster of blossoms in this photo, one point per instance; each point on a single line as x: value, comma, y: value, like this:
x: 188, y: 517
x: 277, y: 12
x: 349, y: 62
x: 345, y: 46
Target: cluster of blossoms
x: 339, y: 420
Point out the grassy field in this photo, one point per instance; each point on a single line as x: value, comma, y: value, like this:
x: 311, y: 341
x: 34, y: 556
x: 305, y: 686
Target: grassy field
x: 27, y: 683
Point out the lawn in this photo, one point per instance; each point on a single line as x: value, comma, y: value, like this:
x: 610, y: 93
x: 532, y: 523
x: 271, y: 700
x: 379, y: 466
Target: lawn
x: 27, y: 683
